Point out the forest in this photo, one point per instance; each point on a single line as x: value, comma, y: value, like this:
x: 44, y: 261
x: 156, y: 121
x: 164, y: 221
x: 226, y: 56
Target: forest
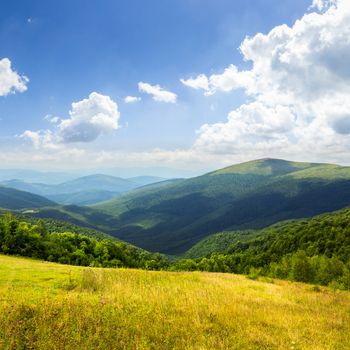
x: 315, y: 250
x: 35, y: 241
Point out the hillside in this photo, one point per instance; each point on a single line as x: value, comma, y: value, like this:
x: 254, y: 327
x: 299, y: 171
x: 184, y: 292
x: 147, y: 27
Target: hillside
x: 323, y: 234
x: 87, y: 197
x: 252, y: 195
x: 54, y: 306
x: 52, y: 225
x: 21, y: 237
x: 15, y: 199
x: 218, y: 243
x: 315, y: 250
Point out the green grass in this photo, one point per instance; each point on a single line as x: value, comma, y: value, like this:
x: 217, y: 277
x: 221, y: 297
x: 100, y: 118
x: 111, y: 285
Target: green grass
x: 49, y: 306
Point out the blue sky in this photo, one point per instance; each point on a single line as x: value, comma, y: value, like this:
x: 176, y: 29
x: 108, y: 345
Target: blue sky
x: 69, y: 49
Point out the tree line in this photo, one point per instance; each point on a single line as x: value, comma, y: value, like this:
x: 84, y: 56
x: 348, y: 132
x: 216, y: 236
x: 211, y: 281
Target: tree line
x: 315, y: 250
x: 35, y: 241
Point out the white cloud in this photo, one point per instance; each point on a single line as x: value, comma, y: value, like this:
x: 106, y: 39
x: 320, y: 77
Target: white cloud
x: 42, y: 139
x: 229, y: 80
x: 132, y: 99
x: 322, y: 4
x: 252, y: 125
x: 299, y: 83
x: 158, y: 94
x: 33, y: 136
x: 10, y: 80
x: 200, y: 82
x: 88, y: 119
x: 298, y: 90
x: 52, y: 119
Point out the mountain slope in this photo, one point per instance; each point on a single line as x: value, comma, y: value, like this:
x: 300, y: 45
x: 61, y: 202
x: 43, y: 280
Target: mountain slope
x: 36, y: 188
x: 87, y: 197
x: 327, y: 233
x: 218, y: 243
x: 15, y: 199
x: 146, y: 180
x: 255, y: 194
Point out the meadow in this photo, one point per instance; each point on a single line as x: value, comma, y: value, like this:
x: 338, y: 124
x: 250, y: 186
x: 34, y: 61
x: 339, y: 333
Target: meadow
x: 52, y: 306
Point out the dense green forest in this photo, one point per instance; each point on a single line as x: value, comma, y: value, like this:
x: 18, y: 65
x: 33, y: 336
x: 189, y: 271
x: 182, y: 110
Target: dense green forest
x: 218, y: 243
x: 53, y: 225
x: 34, y: 240
x: 315, y: 250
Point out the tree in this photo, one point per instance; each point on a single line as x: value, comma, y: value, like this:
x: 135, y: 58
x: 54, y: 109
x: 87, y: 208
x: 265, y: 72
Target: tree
x: 301, y: 269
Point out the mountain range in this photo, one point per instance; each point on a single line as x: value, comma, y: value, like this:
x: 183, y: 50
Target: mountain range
x: 83, y: 190
x: 172, y: 216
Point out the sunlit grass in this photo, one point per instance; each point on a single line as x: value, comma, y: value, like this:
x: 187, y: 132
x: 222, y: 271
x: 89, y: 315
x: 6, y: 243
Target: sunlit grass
x: 50, y: 306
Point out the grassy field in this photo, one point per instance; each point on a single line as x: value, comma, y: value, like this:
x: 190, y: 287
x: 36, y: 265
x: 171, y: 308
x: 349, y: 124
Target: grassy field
x: 50, y: 306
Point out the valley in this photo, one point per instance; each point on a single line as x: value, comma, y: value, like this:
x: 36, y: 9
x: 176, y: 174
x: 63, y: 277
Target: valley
x: 171, y: 216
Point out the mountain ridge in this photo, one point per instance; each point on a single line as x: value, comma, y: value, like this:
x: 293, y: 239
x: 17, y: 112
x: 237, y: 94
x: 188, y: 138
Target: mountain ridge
x: 248, y: 195
x: 84, y: 190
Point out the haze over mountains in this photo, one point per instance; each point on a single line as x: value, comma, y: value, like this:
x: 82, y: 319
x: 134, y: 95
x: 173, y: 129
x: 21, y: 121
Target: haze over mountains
x: 83, y: 190
x: 13, y: 199
x: 171, y: 216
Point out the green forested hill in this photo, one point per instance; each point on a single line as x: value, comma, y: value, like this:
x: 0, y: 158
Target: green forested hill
x: 327, y: 234
x: 172, y: 216
x: 53, y: 225
x: 15, y: 199
x: 18, y: 237
x: 218, y: 243
x: 256, y: 194
x: 315, y: 250
x: 87, y: 197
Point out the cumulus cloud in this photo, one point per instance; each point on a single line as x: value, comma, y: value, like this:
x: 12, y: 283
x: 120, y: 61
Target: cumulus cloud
x: 299, y: 84
x: 10, y: 80
x: 158, y: 94
x: 132, y: 99
x: 88, y: 119
x: 250, y: 125
x: 42, y: 139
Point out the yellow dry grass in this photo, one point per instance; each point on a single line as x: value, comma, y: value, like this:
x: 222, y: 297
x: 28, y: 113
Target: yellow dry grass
x: 51, y: 306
